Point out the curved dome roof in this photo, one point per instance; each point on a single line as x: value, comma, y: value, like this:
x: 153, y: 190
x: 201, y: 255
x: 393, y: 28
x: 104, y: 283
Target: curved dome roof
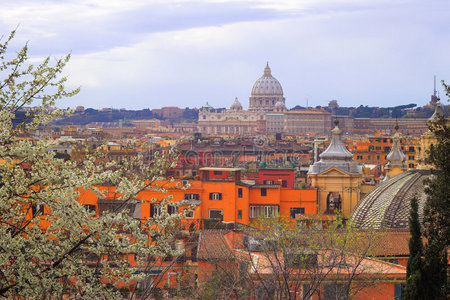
x: 267, y: 84
x: 387, y: 206
x: 336, y: 155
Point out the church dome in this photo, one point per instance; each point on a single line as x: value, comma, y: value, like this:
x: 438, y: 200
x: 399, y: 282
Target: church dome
x: 336, y: 155
x: 267, y: 84
x: 279, y: 106
x: 236, y: 105
x: 387, y: 206
x: 207, y: 106
x: 396, y: 156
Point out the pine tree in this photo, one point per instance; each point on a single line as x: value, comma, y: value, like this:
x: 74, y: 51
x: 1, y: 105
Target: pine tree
x: 413, y: 288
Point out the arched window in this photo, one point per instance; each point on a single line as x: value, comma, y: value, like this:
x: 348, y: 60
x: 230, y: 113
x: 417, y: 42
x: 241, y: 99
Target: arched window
x: 333, y: 202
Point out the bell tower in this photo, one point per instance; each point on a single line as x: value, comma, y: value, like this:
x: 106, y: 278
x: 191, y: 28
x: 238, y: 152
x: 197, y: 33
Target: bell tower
x: 337, y: 177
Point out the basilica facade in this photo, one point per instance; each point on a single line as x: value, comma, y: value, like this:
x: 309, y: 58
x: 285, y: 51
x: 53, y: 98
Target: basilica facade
x: 234, y: 120
x: 266, y: 96
x: 266, y: 114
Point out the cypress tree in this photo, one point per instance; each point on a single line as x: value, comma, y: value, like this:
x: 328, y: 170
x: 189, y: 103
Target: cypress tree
x: 437, y: 213
x: 413, y: 288
x: 436, y: 224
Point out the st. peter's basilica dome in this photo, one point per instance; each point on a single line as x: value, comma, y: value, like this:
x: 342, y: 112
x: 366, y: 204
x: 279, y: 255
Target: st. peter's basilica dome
x: 267, y: 84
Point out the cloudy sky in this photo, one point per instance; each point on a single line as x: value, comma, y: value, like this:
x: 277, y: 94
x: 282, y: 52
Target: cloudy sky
x: 151, y: 53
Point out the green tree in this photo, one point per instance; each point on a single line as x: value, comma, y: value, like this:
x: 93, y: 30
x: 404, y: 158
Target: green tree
x: 50, y: 245
x: 437, y: 213
x: 414, y: 286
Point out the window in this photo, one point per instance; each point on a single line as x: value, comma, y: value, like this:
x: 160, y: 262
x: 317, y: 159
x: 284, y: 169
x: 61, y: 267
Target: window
x: 411, y: 166
x: 184, y: 182
x: 333, y: 201
x: 335, y: 291
x: 215, y: 196
x: 188, y: 213
x: 378, y: 157
x: 216, y: 214
x: 172, y: 209
x: 264, y: 211
x: 398, y: 291
x: 132, y: 207
x: 191, y: 197
x: 155, y: 210
x: 37, y: 210
x: 284, y: 183
x: 297, y: 210
x: 239, y: 214
x: 89, y: 207
x: 359, y: 157
x: 263, y: 192
x: 240, y: 193
x: 269, y: 182
x: 217, y: 172
x: 411, y: 157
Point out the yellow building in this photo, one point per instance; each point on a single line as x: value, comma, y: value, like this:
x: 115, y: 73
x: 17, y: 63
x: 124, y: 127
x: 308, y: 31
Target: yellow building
x: 337, y: 177
x: 428, y: 138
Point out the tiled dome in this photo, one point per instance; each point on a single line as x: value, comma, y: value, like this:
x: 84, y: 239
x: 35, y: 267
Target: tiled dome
x: 387, y: 206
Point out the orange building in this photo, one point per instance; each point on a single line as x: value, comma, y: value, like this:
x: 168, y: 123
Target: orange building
x: 220, y: 194
x: 225, y: 252
x: 375, y: 149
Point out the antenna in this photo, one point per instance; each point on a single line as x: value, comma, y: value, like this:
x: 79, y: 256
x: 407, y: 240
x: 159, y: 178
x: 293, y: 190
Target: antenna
x: 434, y: 93
x: 307, y: 102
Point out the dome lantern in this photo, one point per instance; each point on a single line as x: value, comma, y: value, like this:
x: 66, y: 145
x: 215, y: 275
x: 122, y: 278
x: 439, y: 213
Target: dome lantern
x: 396, y: 158
x: 267, y: 71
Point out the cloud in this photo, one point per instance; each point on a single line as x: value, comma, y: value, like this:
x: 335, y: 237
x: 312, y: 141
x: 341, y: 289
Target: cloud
x: 86, y: 26
x: 185, y: 53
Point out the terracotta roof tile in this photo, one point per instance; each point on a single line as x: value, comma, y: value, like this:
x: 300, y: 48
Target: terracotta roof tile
x: 214, y: 246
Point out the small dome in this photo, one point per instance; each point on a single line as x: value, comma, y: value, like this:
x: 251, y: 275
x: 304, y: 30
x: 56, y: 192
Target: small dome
x: 280, y: 105
x: 236, y: 105
x: 396, y: 157
x: 336, y: 155
x: 207, y: 106
x: 267, y: 84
